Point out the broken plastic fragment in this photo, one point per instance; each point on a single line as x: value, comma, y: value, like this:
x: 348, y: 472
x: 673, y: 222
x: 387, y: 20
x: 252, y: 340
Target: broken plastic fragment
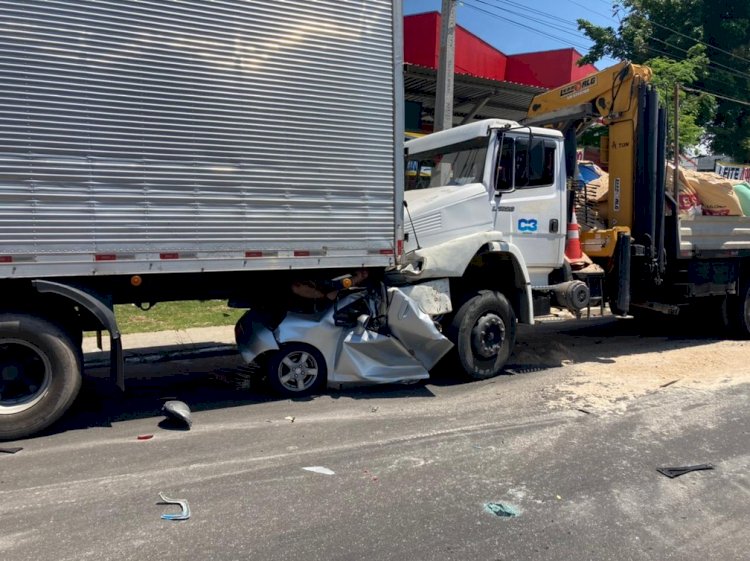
x: 289, y: 418
x: 673, y: 472
x: 319, y: 469
x: 179, y: 413
x: 183, y: 515
x: 145, y: 436
x: 502, y: 510
x: 12, y: 450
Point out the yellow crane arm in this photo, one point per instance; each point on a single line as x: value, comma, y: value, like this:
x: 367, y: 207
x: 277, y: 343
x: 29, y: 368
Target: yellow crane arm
x: 610, y: 96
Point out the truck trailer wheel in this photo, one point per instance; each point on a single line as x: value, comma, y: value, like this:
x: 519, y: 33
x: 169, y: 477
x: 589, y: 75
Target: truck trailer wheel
x: 40, y: 374
x: 297, y: 370
x: 484, y: 331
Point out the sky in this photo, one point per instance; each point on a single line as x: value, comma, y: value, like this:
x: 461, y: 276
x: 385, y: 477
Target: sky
x: 542, y: 18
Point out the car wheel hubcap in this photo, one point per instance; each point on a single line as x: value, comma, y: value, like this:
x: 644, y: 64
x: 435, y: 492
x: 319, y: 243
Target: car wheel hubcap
x: 298, y: 371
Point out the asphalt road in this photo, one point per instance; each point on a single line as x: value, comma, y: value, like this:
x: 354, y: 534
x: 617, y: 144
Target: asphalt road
x: 414, y: 467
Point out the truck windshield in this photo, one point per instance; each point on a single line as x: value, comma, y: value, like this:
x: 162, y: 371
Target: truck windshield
x: 459, y: 164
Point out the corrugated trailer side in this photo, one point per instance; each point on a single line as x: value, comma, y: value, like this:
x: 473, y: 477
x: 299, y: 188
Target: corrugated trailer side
x: 155, y: 150
x: 178, y: 136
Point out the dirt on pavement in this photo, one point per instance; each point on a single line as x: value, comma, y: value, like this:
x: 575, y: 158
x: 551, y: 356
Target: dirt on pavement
x: 614, y: 361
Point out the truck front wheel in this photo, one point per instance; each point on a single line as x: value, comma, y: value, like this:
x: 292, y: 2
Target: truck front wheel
x: 484, y: 331
x: 40, y: 374
x: 738, y: 313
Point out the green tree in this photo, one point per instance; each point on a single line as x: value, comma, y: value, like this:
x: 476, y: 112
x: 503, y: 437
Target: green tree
x: 695, y: 110
x: 700, y: 43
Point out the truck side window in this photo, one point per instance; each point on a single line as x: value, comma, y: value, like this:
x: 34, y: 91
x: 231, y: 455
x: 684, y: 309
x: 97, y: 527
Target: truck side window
x: 503, y: 175
x: 535, y: 162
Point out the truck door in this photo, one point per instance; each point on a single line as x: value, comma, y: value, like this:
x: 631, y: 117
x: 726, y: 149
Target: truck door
x: 533, y: 215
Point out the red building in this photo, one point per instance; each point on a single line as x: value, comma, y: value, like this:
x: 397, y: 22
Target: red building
x: 547, y: 69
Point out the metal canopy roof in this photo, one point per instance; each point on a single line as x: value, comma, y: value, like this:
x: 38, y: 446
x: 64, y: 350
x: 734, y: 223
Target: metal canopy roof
x: 474, y: 97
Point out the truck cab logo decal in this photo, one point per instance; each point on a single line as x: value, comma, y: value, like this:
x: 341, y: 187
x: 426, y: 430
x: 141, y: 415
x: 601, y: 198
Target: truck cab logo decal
x: 527, y: 225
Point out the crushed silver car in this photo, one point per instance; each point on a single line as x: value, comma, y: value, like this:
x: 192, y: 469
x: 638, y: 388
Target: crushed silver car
x: 375, y: 335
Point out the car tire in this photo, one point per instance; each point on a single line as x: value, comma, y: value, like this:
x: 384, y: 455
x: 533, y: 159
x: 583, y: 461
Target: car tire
x: 297, y: 370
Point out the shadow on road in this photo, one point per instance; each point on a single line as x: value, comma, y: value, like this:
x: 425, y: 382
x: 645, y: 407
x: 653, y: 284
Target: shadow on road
x: 216, y: 382
x: 222, y: 380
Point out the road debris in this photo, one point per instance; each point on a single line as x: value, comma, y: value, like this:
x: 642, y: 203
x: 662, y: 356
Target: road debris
x: 584, y: 411
x: 144, y: 437
x: 673, y: 472
x: 12, y: 450
x: 669, y: 383
x: 183, y: 515
x: 502, y: 510
x: 178, y: 415
x: 319, y: 469
x: 289, y: 418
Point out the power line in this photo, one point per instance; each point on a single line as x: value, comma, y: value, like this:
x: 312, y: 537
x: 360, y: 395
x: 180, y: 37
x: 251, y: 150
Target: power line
x: 569, y: 23
x: 714, y: 65
x: 531, y: 18
x: 702, y: 79
x: 698, y: 90
x: 534, y: 29
x: 711, y: 64
x: 667, y: 28
x: 698, y: 41
x: 588, y: 8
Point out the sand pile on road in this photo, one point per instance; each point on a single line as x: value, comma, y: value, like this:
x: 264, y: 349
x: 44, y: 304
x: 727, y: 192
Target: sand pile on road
x: 611, y: 369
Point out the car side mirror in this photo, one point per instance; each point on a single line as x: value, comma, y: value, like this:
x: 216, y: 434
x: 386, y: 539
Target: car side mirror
x: 362, y: 322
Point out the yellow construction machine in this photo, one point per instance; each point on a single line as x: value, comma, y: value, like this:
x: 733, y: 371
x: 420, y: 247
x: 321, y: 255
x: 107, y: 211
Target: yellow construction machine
x: 621, y: 98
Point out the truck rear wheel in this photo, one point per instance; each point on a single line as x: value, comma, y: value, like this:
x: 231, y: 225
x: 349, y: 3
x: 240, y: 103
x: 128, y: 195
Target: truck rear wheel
x: 40, y: 374
x: 484, y: 332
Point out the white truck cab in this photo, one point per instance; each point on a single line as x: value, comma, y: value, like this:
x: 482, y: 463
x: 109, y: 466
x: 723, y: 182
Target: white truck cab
x: 491, y: 176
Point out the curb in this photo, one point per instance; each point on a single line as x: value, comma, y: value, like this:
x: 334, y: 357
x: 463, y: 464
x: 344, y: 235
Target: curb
x: 153, y: 355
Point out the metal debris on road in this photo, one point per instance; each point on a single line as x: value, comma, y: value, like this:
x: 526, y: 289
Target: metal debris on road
x: 12, y: 450
x: 502, y: 510
x: 183, y: 515
x: 319, y: 469
x: 177, y: 412
x: 669, y: 383
x: 673, y: 472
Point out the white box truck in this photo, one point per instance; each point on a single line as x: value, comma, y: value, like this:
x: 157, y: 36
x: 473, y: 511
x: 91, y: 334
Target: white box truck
x: 155, y: 150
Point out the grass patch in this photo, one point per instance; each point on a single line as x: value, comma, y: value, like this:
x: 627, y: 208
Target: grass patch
x: 175, y: 315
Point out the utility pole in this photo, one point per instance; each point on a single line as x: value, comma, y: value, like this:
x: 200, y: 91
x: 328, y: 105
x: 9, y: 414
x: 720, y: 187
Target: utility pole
x: 446, y: 64
x: 676, y: 192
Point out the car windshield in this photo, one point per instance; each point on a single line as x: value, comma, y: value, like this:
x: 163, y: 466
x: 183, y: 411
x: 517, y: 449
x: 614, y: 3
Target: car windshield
x: 460, y: 164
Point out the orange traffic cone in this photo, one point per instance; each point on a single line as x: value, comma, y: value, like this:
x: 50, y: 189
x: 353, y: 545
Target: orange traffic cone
x: 573, y: 250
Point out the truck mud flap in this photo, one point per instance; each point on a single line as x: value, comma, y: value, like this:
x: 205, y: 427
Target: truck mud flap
x: 102, y: 313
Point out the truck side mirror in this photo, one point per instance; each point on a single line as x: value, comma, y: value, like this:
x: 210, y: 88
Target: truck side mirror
x: 505, y: 170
